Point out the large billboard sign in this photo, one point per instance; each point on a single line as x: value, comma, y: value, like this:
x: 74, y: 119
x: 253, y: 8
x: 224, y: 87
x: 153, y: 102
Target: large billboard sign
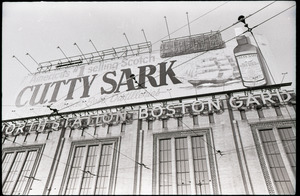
x: 127, y: 80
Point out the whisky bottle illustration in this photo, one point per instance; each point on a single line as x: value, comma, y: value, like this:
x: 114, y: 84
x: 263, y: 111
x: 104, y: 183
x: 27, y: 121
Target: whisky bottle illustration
x: 250, y: 64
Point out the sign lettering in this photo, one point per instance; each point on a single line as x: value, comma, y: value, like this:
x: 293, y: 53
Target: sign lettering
x: 39, y: 92
x: 149, y: 113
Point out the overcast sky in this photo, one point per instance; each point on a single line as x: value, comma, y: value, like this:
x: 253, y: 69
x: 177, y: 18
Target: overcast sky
x: 38, y: 28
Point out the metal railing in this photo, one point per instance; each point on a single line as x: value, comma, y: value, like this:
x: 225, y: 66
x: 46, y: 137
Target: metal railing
x: 98, y: 56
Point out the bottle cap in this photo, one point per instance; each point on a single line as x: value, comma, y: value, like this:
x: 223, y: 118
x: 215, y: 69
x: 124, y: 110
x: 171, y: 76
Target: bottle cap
x: 238, y: 31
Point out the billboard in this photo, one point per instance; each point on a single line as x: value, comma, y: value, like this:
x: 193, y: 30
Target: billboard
x: 127, y: 80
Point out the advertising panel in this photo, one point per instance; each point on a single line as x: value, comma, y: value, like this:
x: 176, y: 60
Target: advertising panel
x: 127, y: 80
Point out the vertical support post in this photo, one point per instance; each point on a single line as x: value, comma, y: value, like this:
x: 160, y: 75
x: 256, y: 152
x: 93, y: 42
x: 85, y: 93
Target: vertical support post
x: 242, y: 162
x: 167, y: 27
x: 191, y: 165
x: 55, y: 162
x: 187, y: 15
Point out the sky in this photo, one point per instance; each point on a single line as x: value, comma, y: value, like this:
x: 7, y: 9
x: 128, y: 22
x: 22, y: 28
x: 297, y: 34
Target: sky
x: 38, y: 28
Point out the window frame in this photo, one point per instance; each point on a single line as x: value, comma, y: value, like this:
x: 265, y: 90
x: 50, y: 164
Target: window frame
x: 15, y: 150
x: 210, y: 160
x: 112, y: 168
x: 274, y: 126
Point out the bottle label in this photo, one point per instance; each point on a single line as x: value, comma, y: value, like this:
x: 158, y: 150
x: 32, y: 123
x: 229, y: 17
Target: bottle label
x: 250, y: 69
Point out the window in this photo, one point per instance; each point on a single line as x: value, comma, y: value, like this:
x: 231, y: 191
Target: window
x: 179, y: 122
x: 260, y: 113
x: 201, y: 169
x: 165, y: 164
x: 91, y: 168
x: 108, y: 129
x: 243, y: 114
x: 277, y: 152
x: 278, y: 111
x: 288, y: 139
x: 164, y: 123
x: 150, y: 124
x: 195, y: 120
x: 185, y: 163
x: 182, y: 166
x: 18, y: 169
x: 123, y: 127
x: 211, y: 118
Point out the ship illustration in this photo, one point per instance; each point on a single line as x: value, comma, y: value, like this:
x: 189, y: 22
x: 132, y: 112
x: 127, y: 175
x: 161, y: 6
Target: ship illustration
x: 214, y: 70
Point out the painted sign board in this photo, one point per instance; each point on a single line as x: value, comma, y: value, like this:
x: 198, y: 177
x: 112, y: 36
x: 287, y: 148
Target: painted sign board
x: 110, y: 83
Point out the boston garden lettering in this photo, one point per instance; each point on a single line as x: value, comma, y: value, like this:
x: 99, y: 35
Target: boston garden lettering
x: 117, y: 82
x: 147, y: 113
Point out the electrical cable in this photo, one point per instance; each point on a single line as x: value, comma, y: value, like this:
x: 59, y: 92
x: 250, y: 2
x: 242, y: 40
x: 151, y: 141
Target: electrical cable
x: 236, y: 36
x: 226, y: 152
x: 161, y: 39
x: 68, y: 165
x: 174, y: 32
x: 273, y: 16
x: 251, y: 147
x: 191, y: 22
x: 183, y: 27
x: 250, y: 30
x: 225, y: 42
x: 174, y: 68
x: 189, y: 129
x: 206, y: 51
x: 178, y: 29
x: 120, y: 152
x: 244, y: 32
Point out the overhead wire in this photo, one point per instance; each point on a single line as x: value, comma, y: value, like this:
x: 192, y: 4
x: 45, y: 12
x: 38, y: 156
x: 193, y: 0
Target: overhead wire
x: 226, y: 153
x: 190, y: 59
x: 191, y: 22
x: 69, y: 165
x: 200, y: 53
x: 174, y: 32
x: 250, y: 30
x: 239, y: 34
x: 274, y: 16
x: 195, y: 57
x: 216, y: 151
x: 225, y: 42
x: 119, y: 152
x: 228, y: 40
x: 206, y: 156
x: 250, y: 15
x: 153, y: 44
x: 205, y: 52
x: 158, y: 41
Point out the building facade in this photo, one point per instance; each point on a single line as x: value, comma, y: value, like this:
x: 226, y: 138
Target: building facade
x: 215, y: 140
x: 213, y: 147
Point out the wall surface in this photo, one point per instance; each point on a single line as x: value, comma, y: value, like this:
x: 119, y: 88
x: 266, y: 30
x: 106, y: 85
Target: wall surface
x: 236, y: 163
